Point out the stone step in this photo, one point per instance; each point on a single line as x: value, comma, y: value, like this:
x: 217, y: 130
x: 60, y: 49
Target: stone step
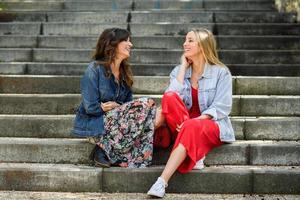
x: 153, y: 42
x: 213, y: 179
x: 15, y: 55
x: 21, y: 16
x: 151, y: 56
x: 69, y: 28
x: 245, y: 153
x: 211, y: 16
x: 50, y: 177
x: 20, y: 28
x: 27, y: 195
x: 87, y: 17
x: 46, y: 84
x: 218, y: 28
x: 96, y: 5
x: 76, y: 151
x: 32, y: 6
x: 140, y: 69
x: 18, y: 41
x: 265, y: 69
x: 58, y: 104
x: 200, y: 16
x: 53, y: 126
x: 227, y: 56
x: 205, y: 4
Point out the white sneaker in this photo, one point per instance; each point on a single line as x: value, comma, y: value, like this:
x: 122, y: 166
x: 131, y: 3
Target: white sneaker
x: 200, y: 164
x: 158, y: 189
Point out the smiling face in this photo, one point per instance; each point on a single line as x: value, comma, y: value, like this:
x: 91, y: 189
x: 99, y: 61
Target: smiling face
x: 123, y: 49
x: 190, y: 46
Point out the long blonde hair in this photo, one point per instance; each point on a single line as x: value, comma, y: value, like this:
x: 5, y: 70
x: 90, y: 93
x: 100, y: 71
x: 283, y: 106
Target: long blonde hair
x: 207, y: 43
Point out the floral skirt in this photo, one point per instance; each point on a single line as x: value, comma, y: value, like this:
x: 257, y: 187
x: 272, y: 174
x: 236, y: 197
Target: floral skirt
x: 129, y: 130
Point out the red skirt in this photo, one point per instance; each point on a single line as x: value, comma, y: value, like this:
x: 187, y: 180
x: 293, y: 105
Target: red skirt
x: 197, y: 136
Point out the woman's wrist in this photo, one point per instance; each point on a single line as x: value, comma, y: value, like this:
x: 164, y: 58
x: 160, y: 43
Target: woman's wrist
x: 205, y: 116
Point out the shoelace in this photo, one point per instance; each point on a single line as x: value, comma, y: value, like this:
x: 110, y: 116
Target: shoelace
x: 158, y: 186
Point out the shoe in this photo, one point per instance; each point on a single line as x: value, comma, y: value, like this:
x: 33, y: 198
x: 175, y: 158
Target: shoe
x: 100, y: 159
x: 158, y: 189
x: 200, y: 164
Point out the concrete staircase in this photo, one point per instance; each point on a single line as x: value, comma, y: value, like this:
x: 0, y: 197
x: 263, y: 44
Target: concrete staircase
x: 45, y: 47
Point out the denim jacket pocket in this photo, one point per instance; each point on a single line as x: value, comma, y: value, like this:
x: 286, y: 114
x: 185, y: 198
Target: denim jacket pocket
x: 208, y: 95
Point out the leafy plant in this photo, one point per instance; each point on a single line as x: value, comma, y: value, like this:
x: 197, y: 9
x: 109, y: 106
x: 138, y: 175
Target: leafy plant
x: 289, y: 6
x: 2, y: 6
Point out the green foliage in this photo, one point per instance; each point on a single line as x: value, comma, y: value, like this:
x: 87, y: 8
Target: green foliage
x: 2, y: 6
x: 287, y: 5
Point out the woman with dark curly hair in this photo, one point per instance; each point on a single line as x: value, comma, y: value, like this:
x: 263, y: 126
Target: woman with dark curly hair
x: 121, y: 128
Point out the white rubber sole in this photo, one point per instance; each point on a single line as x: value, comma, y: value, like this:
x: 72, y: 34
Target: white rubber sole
x: 155, y: 195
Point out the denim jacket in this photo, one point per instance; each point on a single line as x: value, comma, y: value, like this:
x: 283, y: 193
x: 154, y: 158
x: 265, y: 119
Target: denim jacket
x: 214, y: 95
x: 96, y: 87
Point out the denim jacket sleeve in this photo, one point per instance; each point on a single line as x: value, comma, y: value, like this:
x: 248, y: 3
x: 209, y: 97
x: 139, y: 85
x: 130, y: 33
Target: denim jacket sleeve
x: 175, y: 85
x: 90, y: 92
x: 222, y: 103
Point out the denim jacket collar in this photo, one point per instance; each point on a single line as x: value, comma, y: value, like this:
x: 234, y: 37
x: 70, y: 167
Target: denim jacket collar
x: 207, y: 73
x: 122, y: 81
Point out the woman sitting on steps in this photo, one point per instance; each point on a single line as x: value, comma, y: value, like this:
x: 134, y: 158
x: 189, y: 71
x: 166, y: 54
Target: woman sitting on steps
x: 121, y: 128
x: 195, y: 107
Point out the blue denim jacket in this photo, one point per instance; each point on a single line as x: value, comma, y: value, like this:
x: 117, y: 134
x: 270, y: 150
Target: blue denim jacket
x: 97, y: 88
x: 214, y: 95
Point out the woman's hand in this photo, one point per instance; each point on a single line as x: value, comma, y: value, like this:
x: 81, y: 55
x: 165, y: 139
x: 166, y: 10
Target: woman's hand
x: 204, y: 117
x: 185, y: 62
x: 107, y: 106
x: 151, y: 102
x: 178, y: 128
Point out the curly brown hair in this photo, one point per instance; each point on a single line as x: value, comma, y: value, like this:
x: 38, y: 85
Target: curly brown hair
x: 105, y: 52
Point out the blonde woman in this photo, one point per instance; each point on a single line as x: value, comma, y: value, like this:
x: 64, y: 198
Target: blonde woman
x: 195, y: 107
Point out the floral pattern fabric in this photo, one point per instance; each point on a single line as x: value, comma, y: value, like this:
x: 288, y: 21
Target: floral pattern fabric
x: 129, y: 130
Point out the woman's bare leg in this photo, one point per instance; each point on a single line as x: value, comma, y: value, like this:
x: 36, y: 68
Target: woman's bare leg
x: 176, y: 158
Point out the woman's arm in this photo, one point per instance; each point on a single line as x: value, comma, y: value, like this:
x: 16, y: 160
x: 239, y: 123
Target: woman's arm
x: 90, y: 92
x: 177, y: 78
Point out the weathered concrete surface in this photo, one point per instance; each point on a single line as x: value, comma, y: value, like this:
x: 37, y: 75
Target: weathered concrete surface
x: 50, y: 150
x: 69, y: 28
x: 12, y: 68
x: 144, y: 69
x: 53, y: 126
x: 150, y: 42
x: 267, y: 85
x: 4, y: 195
x: 60, y: 84
x: 50, y: 177
x: 20, y: 28
x: 270, y: 105
x: 74, y: 151
x: 277, y: 128
x: 89, y: 17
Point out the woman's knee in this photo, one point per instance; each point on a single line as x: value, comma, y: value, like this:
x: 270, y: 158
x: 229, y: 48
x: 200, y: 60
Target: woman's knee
x: 170, y: 96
